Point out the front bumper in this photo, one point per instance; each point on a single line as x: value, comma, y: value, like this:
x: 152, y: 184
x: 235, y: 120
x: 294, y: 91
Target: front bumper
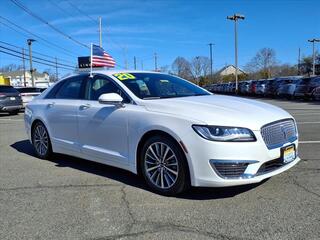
x: 202, y: 152
x: 248, y: 178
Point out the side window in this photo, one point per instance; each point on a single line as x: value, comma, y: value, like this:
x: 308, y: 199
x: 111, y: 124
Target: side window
x: 70, y: 89
x: 54, y: 90
x: 99, y: 85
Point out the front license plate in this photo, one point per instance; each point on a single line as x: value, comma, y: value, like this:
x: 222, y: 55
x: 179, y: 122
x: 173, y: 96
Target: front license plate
x: 289, y: 154
x: 12, y: 98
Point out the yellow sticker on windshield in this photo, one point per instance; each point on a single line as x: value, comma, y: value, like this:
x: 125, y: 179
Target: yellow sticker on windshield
x: 124, y: 76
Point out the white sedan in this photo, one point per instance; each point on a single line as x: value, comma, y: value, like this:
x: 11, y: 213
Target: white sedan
x: 172, y: 132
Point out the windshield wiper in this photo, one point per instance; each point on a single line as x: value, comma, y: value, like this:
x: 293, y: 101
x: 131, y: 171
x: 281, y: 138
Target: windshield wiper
x: 200, y: 94
x: 146, y: 98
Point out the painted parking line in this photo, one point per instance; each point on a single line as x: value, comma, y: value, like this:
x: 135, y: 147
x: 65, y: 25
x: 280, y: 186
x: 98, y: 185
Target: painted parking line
x: 302, y: 114
x: 10, y: 119
x: 308, y: 142
x: 308, y: 122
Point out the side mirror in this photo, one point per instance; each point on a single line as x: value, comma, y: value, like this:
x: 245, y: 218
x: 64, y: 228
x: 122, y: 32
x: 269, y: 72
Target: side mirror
x: 111, y: 99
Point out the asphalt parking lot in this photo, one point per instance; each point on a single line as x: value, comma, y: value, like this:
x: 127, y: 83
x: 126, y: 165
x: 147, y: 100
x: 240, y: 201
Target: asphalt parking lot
x: 69, y: 198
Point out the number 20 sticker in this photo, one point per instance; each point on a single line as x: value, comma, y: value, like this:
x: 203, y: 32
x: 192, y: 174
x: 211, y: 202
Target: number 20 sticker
x: 124, y: 76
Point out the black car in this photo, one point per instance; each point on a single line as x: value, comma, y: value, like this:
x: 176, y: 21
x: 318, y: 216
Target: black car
x: 306, y: 87
x: 272, y: 86
x: 10, y: 100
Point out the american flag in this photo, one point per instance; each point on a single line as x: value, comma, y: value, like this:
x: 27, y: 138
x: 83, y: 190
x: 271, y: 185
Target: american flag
x: 100, y: 58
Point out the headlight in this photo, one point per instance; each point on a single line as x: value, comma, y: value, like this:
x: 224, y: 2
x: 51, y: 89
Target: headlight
x: 225, y: 134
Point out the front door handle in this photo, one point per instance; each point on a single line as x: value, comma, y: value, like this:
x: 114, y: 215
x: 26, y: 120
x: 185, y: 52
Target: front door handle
x: 85, y: 106
x: 50, y: 105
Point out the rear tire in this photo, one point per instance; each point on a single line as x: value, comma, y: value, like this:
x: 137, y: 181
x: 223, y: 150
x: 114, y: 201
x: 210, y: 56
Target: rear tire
x: 41, y: 141
x: 164, y: 166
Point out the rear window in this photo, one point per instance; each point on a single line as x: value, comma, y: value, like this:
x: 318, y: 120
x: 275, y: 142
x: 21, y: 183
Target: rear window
x: 7, y: 89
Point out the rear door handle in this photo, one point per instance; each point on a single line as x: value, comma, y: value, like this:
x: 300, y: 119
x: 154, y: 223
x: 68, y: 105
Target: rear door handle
x: 85, y: 106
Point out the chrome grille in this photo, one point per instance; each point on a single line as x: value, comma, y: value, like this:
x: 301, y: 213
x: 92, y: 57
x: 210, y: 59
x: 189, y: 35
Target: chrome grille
x: 278, y: 133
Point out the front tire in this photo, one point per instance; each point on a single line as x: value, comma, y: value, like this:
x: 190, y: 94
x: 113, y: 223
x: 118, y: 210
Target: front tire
x: 41, y: 141
x: 163, y: 166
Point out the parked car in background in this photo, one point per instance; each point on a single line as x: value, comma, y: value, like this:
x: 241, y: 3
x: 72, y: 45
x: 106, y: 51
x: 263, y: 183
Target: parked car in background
x: 246, y: 87
x: 252, y: 88
x: 272, y: 88
x: 261, y: 87
x: 288, y: 88
x: 314, y: 84
x: 316, y: 93
x: 10, y: 100
x: 28, y: 93
x: 281, y: 86
x: 305, y: 88
x: 241, y: 87
x: 268, y: 87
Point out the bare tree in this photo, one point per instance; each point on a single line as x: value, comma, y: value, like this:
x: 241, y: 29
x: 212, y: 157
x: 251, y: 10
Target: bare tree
x: 164, y: 68
x: 200, y: 67
x: 182, y: 68
x: 10, y: 68
x: 263, y: 62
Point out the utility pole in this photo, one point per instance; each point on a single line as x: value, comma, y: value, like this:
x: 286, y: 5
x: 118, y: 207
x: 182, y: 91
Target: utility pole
x: 299, y: 62
x: 211, y: 60
x: 57, y: 69
x: 24, y: 68
x: 141, y: 64
x: 235, y: 18
x: 100, y: 32
x: 313, y: 55
x: 125, y: 57
x: 135, y: 63
x: 29, y: 41
x: 155, y: 62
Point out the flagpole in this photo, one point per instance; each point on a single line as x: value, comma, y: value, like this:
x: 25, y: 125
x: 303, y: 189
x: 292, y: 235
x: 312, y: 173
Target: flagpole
x: 91, y: 61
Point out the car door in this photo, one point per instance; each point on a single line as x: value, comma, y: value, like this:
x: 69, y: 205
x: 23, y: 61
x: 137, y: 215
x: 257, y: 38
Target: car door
x: 103, y: 128
x: 61, y: 115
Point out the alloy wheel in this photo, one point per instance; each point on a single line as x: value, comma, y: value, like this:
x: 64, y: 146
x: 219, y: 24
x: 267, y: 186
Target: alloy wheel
x: 161, y: 165
x: 41, y: 140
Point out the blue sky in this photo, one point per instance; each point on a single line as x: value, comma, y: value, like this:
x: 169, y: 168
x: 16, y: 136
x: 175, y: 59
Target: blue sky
x: 170, y: 28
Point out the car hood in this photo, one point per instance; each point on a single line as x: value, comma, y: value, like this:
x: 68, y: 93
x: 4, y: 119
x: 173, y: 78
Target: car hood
x: 219, y: 110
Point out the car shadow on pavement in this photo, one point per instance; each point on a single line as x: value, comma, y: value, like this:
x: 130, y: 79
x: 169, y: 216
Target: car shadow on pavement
x: 129, y: 178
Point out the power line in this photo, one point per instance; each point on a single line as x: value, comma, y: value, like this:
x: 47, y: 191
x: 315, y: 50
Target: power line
x: 60, y: 8
x: 41, y: 54
x: 66, y: 51
x: 27, y: 10
x: 82, y: 12
x: 14, y: 55
x: 8, y: 49
x: 65, y: 66
x: 114, y: 42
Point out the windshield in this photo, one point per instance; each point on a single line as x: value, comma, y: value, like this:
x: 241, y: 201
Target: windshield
x: 154, y: 85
